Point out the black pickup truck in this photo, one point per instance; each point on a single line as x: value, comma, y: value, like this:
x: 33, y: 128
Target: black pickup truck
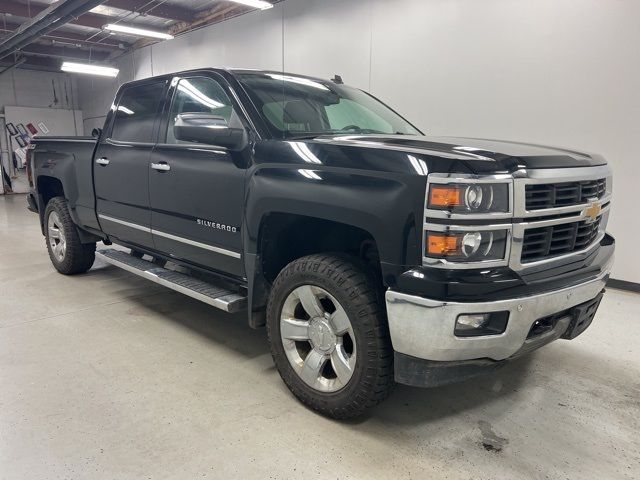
x: 372, y: 253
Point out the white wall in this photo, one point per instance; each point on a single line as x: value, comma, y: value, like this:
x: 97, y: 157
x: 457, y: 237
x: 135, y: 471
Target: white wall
x: 558, y: 72
x: 59, y: 121
x: 30, y: 88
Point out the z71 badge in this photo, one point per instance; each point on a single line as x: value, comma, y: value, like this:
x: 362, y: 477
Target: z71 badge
x: 217, y: 226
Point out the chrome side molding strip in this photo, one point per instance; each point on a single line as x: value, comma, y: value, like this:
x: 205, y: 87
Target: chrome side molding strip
x: 122, y: 222
x: 176, y: 238
x: 193, y: 243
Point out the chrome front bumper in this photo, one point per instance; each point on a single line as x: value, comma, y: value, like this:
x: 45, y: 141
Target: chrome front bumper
x: 424, y: 328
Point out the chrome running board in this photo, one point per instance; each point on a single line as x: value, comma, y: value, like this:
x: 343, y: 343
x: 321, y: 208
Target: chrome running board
x: 213, y: 295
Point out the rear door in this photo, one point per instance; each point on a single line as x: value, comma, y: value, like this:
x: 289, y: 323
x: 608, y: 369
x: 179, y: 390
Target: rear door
x: 197, y: 190
x: 121, y: 173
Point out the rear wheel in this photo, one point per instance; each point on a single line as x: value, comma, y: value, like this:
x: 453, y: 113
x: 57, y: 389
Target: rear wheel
x: 67, y: 253
x: 329, y: 337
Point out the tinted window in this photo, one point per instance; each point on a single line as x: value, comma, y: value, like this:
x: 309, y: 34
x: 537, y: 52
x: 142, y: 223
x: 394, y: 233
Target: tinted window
x: 136, y: 113
x: 200, y: 95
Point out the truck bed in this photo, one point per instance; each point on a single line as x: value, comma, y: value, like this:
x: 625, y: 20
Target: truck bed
x: 68, y: 162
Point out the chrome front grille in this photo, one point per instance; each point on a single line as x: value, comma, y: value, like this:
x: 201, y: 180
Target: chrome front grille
x: 552, y: 195
x: 545, y: 242
x: 557, y: 216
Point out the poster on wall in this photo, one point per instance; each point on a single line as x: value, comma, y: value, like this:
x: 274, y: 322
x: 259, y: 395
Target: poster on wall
x: 21, y: 157
x: 46, y: 121
x: 43, y: 128
x: 20, y: 140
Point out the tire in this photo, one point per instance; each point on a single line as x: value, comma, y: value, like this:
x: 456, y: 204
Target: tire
x: 68, y: 255
x: 357, y: 372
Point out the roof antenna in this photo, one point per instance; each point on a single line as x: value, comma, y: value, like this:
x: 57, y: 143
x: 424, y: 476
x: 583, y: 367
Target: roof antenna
x: 337, y: 79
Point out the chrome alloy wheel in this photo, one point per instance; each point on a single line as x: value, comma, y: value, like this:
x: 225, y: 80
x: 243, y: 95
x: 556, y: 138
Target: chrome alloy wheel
x: 57, y: 240
x: 318, y: 338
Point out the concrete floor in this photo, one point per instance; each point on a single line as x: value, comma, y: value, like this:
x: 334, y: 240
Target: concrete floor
x: 105, y: 375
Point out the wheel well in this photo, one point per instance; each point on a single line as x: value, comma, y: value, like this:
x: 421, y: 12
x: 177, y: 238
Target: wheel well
x: 49, y: 187
x: 285, y: 237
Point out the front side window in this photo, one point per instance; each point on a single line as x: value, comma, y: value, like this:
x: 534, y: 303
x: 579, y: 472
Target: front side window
x: 296, y: 106
x: 137, y: 112
x: 200, y: 95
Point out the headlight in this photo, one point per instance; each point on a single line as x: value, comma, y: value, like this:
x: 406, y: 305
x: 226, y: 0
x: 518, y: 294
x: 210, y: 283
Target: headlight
x: 467, y: 246
x: 469, y: 198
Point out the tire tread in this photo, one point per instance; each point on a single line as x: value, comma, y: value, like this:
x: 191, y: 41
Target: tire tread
x: 349, y: 275
x: 79, y: 256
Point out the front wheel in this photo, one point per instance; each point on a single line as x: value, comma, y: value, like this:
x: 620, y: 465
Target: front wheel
x: 67, y: 253
x: 328, y: 334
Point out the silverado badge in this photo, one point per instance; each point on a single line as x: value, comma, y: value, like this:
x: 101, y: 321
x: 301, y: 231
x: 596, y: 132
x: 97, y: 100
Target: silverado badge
x: 217, y: 226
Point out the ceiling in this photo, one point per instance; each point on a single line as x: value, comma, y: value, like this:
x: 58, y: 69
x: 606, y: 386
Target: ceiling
x: 83, y: 39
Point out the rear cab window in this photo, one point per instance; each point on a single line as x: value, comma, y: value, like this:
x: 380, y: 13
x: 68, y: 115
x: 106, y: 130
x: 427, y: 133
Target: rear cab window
x: 137, y: 111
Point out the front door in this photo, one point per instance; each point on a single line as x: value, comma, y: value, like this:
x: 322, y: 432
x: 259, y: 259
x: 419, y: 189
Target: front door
x: 121, y: 172
x: 196, y: 190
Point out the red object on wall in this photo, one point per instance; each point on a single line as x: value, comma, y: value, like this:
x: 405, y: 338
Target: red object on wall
x: 32, y: 129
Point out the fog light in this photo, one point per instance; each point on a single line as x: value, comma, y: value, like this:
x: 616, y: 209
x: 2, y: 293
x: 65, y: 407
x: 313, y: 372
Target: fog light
x: 469, y: 322
x: 480, y: 324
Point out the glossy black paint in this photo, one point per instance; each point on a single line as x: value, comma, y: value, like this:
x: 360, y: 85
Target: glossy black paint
x: 375, y: 183
x: 461, y: 155
x: 205, y: 184
x: 67, y: 160
x: 376, y: 191
x: 122, y: 190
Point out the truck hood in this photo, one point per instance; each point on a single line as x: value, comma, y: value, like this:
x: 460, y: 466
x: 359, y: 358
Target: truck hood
x: 492, y: 154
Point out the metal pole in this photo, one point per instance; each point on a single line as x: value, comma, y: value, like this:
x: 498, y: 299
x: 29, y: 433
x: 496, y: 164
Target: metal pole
x: 53, y: 17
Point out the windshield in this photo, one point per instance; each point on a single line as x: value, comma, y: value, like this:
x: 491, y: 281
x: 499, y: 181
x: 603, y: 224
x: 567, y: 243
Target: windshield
x: 301, y: 107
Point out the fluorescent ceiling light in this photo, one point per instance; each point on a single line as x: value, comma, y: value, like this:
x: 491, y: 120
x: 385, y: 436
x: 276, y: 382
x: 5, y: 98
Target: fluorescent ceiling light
x: 188, y: 88
x: 304, y: 153
x: 261, y: 4
x: 299, y: 80
x: 89, y: 69
x: 140, y: 32
x: 310, y: 174
x: 126, y: 110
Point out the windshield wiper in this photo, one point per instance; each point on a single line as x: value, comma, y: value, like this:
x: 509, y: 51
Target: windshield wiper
x: 353, y: 131
x: 369, y: 131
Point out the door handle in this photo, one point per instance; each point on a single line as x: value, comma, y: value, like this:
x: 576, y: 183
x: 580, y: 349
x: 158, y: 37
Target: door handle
x: 102, y: 161
x: 161, y: 167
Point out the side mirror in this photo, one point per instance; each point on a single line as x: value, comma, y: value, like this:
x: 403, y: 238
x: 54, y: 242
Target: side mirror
x: 96, y: 132
x: 208, y: 129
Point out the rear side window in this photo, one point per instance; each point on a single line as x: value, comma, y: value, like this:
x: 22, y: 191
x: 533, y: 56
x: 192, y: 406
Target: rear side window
x: 136, y: 113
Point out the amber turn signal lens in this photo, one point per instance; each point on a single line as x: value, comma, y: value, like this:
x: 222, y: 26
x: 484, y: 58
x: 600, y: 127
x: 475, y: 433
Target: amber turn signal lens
x: 442, y: 245
x: 445, y: 196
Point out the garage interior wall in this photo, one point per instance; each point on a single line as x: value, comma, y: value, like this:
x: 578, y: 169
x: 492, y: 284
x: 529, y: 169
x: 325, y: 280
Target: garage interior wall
x: 555, y: 72
x: 37, y: 89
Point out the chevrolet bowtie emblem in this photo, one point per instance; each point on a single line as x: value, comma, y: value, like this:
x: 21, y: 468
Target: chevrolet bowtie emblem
x: 592, y: 211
